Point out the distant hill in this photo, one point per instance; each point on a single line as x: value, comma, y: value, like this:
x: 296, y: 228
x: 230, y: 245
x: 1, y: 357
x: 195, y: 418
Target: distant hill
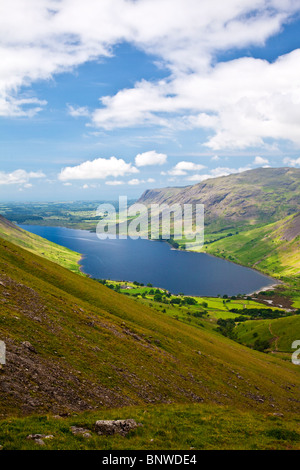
x: 255, y: 196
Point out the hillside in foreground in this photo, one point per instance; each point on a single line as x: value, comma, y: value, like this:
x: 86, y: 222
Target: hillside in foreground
x: 73, y: 344
x: 84, y: 352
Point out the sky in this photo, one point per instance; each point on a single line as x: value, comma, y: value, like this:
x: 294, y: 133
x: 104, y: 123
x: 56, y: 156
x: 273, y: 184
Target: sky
x: 101, y: 98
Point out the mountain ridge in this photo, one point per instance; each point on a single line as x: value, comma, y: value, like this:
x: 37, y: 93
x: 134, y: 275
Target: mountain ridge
x: 237, y: 196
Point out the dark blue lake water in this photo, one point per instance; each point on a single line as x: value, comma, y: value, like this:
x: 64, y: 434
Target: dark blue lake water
x: 155, y: 262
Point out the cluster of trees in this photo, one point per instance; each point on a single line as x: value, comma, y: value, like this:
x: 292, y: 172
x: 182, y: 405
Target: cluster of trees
x: 226, y: 328
x: 260, y: 312
x: 261, y: 345
x: 21, y: 218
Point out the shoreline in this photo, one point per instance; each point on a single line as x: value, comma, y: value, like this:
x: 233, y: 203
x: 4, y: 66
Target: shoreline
x: 265, y: 289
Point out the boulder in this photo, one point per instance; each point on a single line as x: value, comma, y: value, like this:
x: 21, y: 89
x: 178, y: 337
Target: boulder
x: 109, y: 428
x: 77, y: 431
x: 29, y: 346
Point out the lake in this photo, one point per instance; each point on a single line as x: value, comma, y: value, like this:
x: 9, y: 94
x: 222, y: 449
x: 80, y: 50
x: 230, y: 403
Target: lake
x: 156, y: 263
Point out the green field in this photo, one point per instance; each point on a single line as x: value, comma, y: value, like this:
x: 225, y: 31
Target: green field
x: 210, y: 308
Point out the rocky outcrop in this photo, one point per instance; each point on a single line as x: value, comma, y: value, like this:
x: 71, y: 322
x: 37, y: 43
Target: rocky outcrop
x: 110, y: 428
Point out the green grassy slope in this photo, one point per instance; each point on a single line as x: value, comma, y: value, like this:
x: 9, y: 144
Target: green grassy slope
x: 39, y: 246
x: 91, y: 348
x: 280, y: 332
x: 273, y: 248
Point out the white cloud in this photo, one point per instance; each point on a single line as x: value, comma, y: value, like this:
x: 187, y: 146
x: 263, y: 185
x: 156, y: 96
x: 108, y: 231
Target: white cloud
x: 216, y: 173
x: 114, y: 183
x: 181, y: 168
x: 135, y: 182
x: 150, y: 158
x: 292, y: 161
x: 246, y: 101
x: 100, y: 168
x: 198, y: 178
x: 79, y: 111
x: 40, y: 38
x: 150, y: 180
x: 19, y: 177
x: 260, y: 161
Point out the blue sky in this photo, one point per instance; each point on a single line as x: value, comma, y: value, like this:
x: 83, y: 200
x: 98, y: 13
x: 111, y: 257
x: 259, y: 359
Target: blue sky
x: 99, y: 99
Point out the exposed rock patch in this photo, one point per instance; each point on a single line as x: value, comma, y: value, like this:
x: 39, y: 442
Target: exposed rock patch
x: 110, y: 428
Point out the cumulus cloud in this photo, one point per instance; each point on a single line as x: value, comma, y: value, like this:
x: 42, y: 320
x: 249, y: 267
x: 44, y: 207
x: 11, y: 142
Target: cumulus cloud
x: 255, y: 101
x: 19, y: 177
x: 260, y: 161
x: 40, y: 38
x: 216, y: 173
x: 101, y: 168
x: 183, y: 167
x: 292, y: 161
x: 135, y: 182
x: 150, y: 158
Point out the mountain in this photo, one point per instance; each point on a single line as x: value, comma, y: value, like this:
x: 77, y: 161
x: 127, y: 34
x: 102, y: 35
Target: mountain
x: 253, y: 196
x: 75, y: 345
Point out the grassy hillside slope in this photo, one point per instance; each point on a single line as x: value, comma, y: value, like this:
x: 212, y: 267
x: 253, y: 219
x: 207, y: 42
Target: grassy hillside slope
x: 273, y: 248
x: 39, y: 246
x: 280, y: 332
x: 73, y: 344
